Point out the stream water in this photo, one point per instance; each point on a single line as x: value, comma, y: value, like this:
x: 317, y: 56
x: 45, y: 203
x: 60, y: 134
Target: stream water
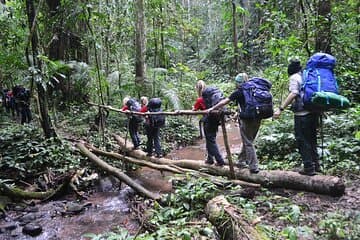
x: 103, y: 210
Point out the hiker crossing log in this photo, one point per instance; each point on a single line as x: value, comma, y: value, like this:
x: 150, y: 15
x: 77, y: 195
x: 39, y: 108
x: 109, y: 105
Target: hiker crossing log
x: 322, y: 184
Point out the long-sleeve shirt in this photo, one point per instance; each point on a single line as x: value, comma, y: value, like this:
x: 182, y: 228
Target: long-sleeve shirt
x: 144, y: 109
x: 199, y: 104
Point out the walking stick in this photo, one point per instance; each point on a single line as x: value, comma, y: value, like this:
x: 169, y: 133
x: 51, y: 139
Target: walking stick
x: 227, y: 147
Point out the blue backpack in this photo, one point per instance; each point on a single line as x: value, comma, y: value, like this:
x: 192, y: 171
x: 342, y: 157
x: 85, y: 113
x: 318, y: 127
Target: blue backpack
x: 134, y: 106
x: 258, y: 102
x: 320, y: 90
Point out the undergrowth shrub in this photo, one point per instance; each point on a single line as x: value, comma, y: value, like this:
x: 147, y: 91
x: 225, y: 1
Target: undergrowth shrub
x: 25, y: 152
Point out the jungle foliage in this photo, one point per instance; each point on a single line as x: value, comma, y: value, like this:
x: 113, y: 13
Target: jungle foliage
x: 86, y: 51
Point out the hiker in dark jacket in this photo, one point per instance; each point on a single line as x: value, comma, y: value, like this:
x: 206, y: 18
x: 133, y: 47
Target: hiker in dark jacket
x: 153, y: 124
x: 248, y: 127
x: 130, y: 104
x: 22, y: 102
x: 211, y: 125
x: 306, y: 122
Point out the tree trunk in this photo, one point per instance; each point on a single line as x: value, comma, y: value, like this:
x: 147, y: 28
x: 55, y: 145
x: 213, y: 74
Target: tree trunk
x: 229, y: 222
x: 117, y: 173
x: 323, y: 34
x: 140, y: 46
x: 42, y: 97
x: 272, y: 178
x: 235, y: 38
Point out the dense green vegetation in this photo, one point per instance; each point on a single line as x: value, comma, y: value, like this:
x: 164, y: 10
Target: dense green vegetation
x: 66, y: 52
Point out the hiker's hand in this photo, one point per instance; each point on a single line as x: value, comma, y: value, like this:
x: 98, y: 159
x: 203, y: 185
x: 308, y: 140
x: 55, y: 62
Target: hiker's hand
x: 277, y: 113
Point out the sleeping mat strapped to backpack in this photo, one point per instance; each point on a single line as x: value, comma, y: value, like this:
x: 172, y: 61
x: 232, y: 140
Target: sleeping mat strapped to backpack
x: 320, y: 89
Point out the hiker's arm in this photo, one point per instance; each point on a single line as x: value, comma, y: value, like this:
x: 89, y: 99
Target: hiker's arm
x: 219, y: 104
x: 289, y: 99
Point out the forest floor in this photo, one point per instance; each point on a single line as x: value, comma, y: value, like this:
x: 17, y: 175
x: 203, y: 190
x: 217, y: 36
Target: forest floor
x: 279, y: 210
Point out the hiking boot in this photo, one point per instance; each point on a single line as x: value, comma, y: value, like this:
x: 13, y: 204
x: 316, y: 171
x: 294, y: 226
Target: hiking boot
x: 308, y: 172
x: 318, y: 168
x: 219, y: 164
x: 240, y: 164
x: 254, y: 171
x: 209, y: 161
x: 149, y: 154
x: 159, y: 155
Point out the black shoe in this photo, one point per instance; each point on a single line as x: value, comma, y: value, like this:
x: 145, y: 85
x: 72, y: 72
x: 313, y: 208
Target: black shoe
x: 219, y: 164
x: 149, y: 154
x: 254, y: 171
x: 209, y: 162
x: 307, y: 172
x: 159, y: 155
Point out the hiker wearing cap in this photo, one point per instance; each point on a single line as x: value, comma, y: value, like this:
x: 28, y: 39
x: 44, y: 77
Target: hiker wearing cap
x: 249, y: 122
x: 306, y: 122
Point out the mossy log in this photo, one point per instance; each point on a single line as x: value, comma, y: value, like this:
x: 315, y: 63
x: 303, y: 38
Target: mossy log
x: 17, y: 193
x: 322, y: 184
x: 117, y: 173
x: 230, y: 222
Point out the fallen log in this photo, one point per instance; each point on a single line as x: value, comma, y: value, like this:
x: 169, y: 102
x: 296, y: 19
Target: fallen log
x: 322, y: 184
x: 134, y: 160
x: 117, y: 173
x: 171, y: 168
x: 229, y: 221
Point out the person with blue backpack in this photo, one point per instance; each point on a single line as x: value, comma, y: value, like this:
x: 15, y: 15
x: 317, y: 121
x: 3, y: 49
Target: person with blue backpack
x: 255, y: 103
x: 306, y: 121
x: 312, y: 91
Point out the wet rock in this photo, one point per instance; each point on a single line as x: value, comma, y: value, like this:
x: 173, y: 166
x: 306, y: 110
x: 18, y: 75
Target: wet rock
x: 107, y: 184
x: 7, y: 226
x: 16, y: 232
x: 126, y: 193
x: 32, y: 229
x: 19, y: 208
x: 75, y: 208
x: 27, y: 218
x: 32, y: 209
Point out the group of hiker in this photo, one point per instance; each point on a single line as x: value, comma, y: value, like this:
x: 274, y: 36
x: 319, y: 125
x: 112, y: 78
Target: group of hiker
x: 311, y: 91
x: 152, y: 123
x: 16, y: 101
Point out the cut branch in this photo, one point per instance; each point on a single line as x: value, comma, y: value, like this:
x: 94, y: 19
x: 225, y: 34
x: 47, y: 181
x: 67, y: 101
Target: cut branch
x: 229, y: 221
x: 117, y: 173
